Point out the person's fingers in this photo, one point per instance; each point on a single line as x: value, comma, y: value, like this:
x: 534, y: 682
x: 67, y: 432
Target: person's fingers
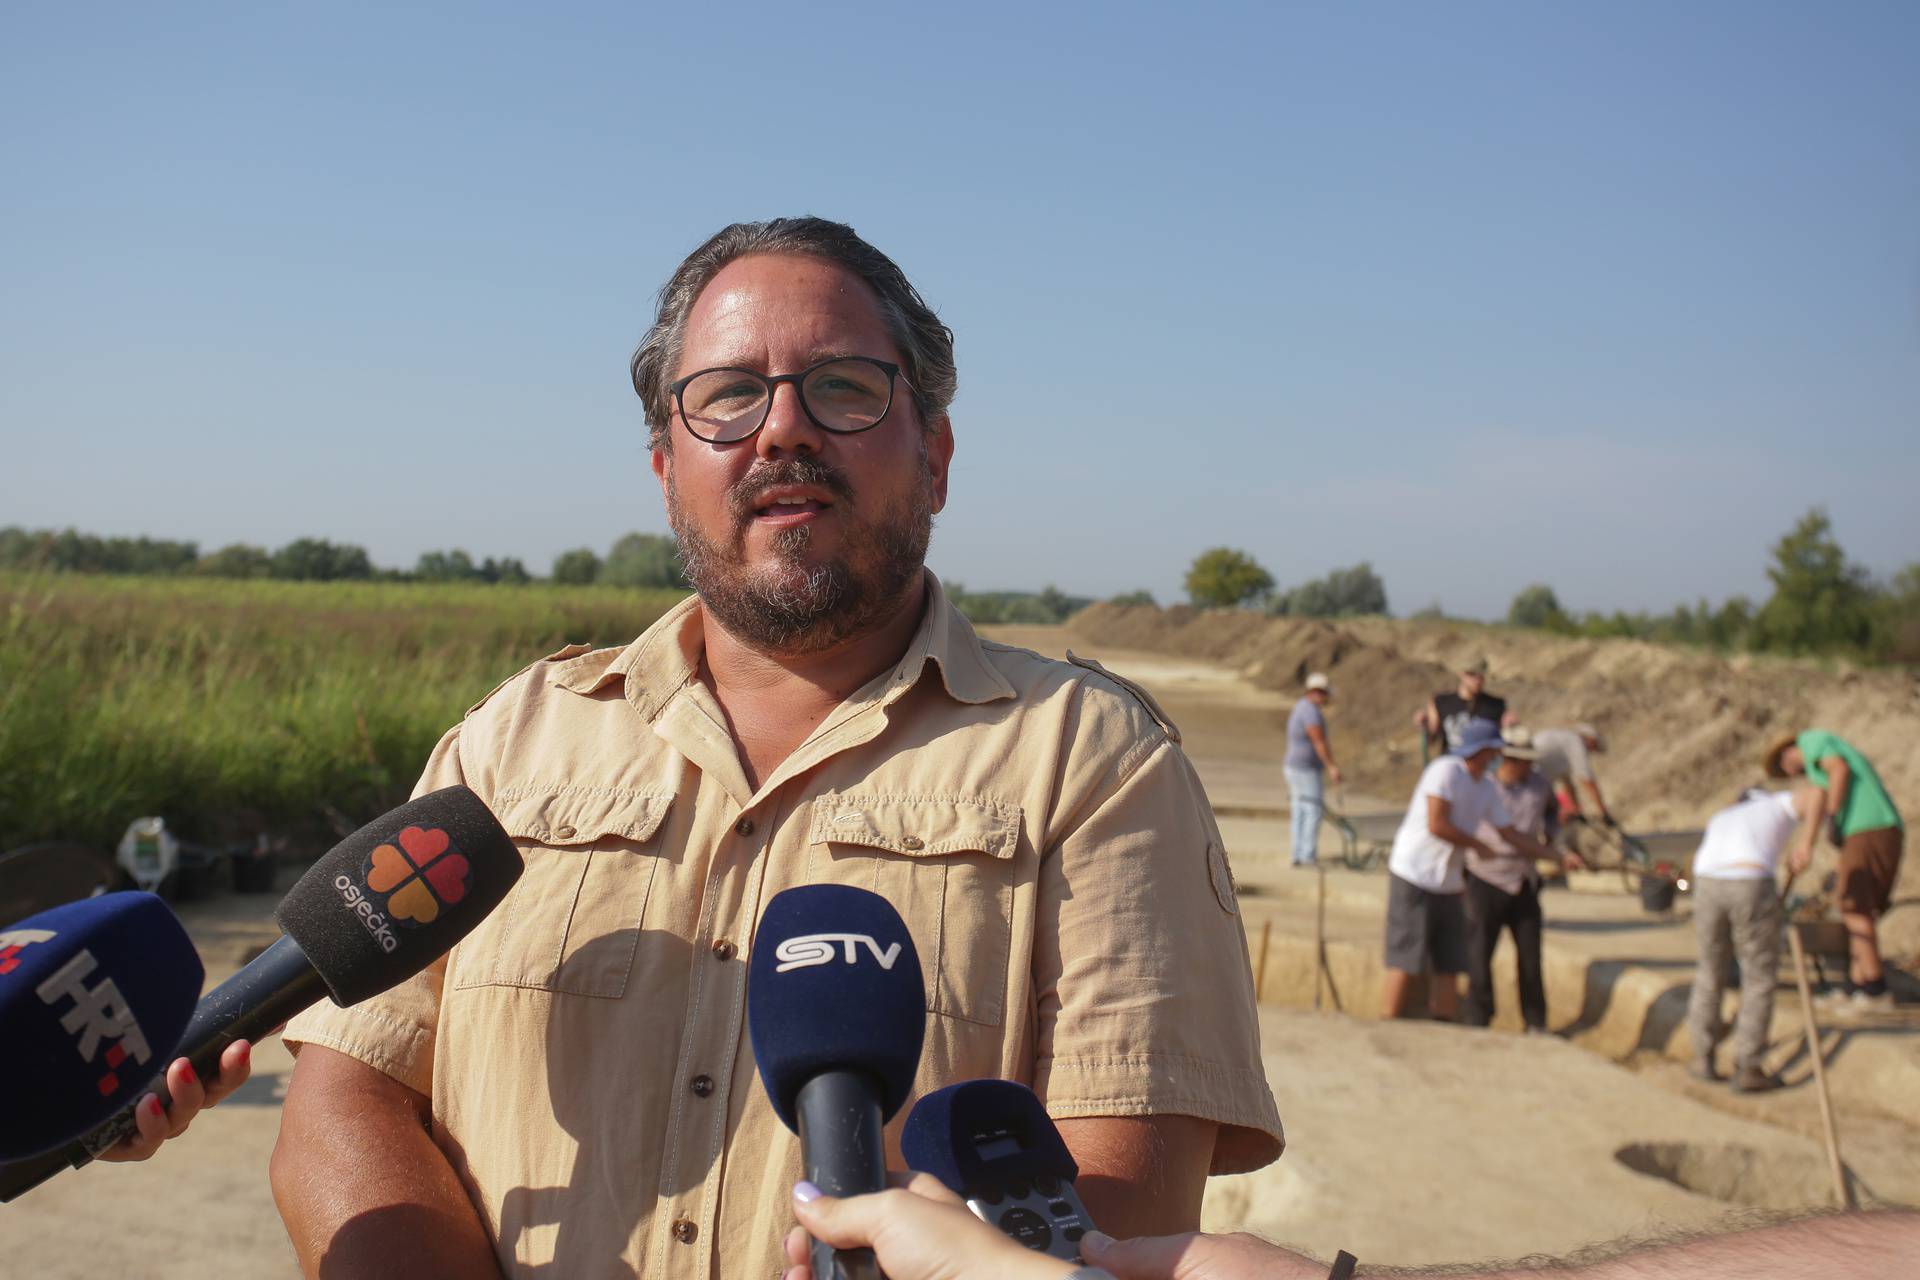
x: 189, y: 1095
x: 829, y: 1219
x: 928, y: 1187
x: 236, y: 1064
x: 1146, y: 1258
x: 796, y: 1247
x: 150, y: 1121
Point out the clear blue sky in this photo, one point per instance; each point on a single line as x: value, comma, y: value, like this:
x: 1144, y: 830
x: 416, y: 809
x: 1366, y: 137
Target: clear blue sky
x: 1486, y: 294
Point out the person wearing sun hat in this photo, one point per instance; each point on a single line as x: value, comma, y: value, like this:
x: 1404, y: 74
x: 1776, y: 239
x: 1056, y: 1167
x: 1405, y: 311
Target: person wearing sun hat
x: 1503, y: 893
x: 1861, y: 819
x: 1426, y: 916
x: 1309, y: 767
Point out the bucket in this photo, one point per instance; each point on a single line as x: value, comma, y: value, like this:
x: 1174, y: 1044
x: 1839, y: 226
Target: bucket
x: 1657, y: 893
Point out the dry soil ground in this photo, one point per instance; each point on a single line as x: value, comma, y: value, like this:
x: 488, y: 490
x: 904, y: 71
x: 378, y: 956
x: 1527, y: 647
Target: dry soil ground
x: 1407, y: 1142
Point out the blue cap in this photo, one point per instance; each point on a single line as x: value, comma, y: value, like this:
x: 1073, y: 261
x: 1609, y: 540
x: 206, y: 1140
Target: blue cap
x: 1478, y: 736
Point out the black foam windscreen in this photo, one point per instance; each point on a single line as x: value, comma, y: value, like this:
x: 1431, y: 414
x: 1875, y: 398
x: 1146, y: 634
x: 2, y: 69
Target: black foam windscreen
x: 94, y: 995
x: 833, y: 982
x: 396, y: 895
x: 981, y: 1133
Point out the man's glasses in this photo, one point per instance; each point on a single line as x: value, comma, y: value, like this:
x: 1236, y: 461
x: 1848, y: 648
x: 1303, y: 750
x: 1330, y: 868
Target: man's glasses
x: 842, y: 395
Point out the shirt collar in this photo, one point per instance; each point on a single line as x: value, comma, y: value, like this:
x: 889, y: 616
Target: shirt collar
x: 665, y: 657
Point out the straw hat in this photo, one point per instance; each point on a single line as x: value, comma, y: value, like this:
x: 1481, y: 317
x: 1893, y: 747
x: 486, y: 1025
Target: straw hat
x: 1771, y: 760
x: 1519, y: 743
x: 1478, y: 667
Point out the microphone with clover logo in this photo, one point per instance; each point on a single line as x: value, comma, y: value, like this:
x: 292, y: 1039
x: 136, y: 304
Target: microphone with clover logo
x: 375, y: 910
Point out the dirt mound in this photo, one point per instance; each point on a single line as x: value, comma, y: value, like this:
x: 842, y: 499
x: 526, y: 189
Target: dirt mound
x: 1685, y: 728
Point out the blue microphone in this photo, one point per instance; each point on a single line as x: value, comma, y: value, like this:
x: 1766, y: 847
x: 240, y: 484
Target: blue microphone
x: 993, y: 1144
x: 836, y: 1009
x: 94, y: 995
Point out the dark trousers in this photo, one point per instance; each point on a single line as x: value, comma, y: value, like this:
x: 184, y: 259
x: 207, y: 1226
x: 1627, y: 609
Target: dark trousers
x: 1490, y: 910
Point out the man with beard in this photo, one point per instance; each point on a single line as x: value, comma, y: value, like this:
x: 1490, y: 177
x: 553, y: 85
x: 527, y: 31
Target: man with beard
x: 571, y: 1091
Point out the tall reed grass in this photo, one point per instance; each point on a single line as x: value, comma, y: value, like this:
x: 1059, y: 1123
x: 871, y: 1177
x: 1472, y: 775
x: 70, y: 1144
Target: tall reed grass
x: 228, y: 707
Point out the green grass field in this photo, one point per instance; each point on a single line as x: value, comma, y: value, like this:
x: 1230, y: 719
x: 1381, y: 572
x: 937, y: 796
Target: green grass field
x: 230, y: 707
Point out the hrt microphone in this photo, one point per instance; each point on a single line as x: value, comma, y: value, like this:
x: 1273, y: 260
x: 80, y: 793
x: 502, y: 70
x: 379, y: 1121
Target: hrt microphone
x: 93, y: 997
x: 836, y: 1008
x: 993, y: 1144
x: 378, y: 908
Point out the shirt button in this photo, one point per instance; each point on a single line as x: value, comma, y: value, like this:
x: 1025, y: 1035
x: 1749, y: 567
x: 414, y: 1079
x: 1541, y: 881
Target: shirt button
x: 685, y: 1230
x: 702, y: 1086
x: 563, y: 833
x: 912, y: 842
x: 744, y: 827
x: 722, y: 949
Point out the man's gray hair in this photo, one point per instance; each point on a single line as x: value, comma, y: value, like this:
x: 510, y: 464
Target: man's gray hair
x: 926, y: 345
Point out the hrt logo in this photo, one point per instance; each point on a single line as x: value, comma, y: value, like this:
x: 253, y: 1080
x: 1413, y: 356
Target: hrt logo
x: 417, y: 878
x: 14, y: 941
x: 812, y: 949
x: 98, y: 1014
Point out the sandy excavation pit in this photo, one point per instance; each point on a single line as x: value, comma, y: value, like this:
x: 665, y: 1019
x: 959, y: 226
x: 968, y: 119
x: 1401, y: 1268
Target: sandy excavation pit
x: 1735, y: 1174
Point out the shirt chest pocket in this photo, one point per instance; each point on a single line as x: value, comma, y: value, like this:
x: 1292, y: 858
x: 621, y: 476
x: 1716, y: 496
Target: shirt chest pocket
x: 572, y: 922
x: 947, y: 866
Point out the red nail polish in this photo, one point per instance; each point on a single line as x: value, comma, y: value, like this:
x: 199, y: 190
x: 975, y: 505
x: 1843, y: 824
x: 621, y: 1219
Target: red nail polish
x: 153, y: 1106
x: 188, y: 1072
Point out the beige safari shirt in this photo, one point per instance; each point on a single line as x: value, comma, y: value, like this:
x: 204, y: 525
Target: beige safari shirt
x: 585, y: 1048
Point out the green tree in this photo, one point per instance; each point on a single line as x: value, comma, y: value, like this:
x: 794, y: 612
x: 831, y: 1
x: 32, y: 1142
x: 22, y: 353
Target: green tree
x: 507, y: 571
x: 1535, y: 606
x: 236, y: 560
x: 577, y: 567
x: 1821, y: 601
x: 1896, y: 622
x: 643, y: 560
x: 1142, y: 596
x: 1221, y: 578
x: 317, y: 560
x: 446, y: 566
x: 1342, y: 593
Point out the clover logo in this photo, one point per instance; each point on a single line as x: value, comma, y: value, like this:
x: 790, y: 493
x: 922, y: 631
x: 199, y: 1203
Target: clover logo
x: 419, y: 877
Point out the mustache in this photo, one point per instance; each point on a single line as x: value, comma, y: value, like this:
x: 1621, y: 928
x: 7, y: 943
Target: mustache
x: 787, y: 471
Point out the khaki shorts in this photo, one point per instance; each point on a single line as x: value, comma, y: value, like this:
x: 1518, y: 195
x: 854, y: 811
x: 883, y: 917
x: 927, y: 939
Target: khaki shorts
x: 1869, y: 861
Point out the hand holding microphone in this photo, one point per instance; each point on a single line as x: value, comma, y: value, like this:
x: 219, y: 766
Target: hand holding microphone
x: 378, y: 908
x: 94, y: 995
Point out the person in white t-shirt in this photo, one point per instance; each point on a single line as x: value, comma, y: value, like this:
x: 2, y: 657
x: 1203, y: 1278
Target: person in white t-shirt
x: 1426, y: 918
x: 1737, y: 914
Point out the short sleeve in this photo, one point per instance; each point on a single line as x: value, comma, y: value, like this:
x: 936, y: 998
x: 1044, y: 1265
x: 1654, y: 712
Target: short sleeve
x: 1816, y: 745
x: 394, y: 1031
x: 1143, y: 986
x: 1579, y: 759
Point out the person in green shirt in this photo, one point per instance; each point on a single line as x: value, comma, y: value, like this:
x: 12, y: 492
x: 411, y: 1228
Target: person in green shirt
x: 1864, y: 823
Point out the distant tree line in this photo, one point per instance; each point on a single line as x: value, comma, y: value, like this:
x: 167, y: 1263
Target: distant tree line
x: 1043, y: 608
x: 636, y: 560
x: 1224, y: 578
x: 1822, y: 603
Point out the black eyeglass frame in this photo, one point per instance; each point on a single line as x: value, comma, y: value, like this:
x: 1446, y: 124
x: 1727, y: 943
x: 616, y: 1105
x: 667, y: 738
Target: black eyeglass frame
x: 772, y: 383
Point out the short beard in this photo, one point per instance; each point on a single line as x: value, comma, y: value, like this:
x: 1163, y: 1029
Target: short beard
x: 790, y: 608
